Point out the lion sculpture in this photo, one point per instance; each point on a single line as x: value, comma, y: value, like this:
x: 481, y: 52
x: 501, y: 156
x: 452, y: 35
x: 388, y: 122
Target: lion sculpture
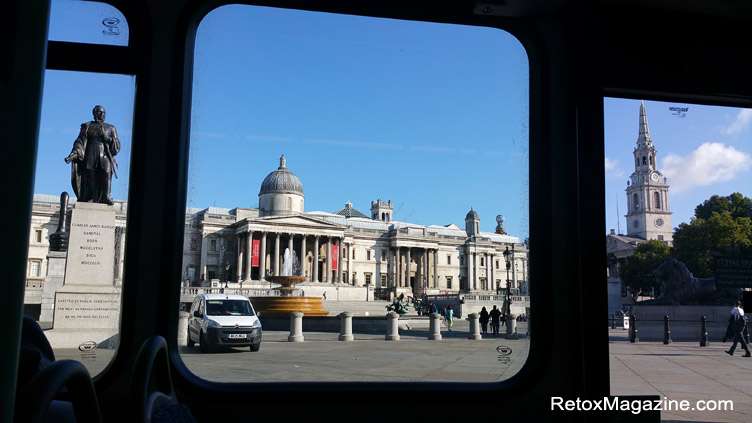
x: 679, y: 286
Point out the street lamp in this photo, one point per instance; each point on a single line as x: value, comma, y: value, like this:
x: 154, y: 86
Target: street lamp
x: 507, y: 253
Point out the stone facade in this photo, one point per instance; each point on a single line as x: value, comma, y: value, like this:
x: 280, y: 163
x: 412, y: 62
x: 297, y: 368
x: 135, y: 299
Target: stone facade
x: 242, y: 245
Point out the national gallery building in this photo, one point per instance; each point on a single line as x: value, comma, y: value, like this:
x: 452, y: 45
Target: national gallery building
x: 243, y: 245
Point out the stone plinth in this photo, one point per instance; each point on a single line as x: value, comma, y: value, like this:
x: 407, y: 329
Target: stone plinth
x: 52, y: 282
x: 91, y: 250
x: 87, y: 305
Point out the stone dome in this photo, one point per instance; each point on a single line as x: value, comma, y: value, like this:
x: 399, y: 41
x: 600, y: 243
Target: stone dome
x: 281, y: 181
x: 471, y: 214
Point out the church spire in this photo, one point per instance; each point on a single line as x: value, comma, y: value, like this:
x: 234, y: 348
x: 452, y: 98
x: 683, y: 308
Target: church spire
x: 644, y: 137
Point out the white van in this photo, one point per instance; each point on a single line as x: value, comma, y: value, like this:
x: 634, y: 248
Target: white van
x: 223, y: 320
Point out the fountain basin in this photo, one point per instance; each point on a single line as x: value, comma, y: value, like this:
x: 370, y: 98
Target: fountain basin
x: 282, y: 306
x: 286, y: 283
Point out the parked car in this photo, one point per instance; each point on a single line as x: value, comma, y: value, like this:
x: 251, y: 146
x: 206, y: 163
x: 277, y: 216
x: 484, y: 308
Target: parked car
x: 223, y: 320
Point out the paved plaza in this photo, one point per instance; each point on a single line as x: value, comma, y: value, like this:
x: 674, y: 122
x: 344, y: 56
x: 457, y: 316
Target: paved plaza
x: 681, y: 371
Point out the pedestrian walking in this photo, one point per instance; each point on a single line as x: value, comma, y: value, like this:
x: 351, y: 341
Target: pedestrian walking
x: 740, y: 322
x: 495, y: 314
x: 483, y: 319
x: 449, y: 315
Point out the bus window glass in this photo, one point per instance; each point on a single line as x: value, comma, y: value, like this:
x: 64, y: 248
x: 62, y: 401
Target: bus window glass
x: 679, y: 239
x: 346, y: 164
x: 78, y: 220
x: 87, y: 22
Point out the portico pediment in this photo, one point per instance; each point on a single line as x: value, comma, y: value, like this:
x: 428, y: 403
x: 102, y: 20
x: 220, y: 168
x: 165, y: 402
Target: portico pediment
x: 296, y: 224
x: 621, y: 244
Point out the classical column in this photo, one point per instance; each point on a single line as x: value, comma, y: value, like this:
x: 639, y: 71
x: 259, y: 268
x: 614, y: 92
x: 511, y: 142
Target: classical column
x: 303, y: 252
x: 390, y: 268
x: 262, y: 257
x: 328, y: 277
x: 475, y: 270
x: 290, y: 246
x: 339, y: 260
x: 398, y: 268
x: 407, y: 267
x: 315, y: 277
x: 221, y: 264
x: 248, y: 255
x: 424, y: 274
x: 276, y: 254
x: 204, y: 252
x: 492, y: 287
x: 239, y: 256
x: 351, y: 277
x: 435, y: 268
x: 469, y: 266
x: 490, y: 272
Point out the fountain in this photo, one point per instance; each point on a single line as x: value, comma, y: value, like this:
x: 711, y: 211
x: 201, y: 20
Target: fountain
x: 287, y: 301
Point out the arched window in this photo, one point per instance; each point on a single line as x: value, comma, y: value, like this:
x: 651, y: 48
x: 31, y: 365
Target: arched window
x: 644, y: 160
x: 635, y: 201
x: 651, y: 160
x: 657, y: 200
x: 289, y: 203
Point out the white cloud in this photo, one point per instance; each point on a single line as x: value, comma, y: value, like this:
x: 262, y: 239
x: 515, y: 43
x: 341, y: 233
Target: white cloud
x: 710, y: 163
x: 743, y: 119
x: 612, y: 169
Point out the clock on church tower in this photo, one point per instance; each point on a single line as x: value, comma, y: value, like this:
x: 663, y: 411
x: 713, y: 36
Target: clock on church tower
x: 648, y: 215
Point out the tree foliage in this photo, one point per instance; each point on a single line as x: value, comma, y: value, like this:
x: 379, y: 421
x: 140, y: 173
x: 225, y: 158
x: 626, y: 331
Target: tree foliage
x: 735, y: 205
x: 722, y: 226
x: 637, y: 271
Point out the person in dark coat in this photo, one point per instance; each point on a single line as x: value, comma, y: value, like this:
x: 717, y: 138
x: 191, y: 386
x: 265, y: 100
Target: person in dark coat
x: 483, y: 320
x: 495, y: 314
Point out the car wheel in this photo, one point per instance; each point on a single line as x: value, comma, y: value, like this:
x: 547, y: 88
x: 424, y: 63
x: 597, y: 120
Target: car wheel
x: 255, y: 347
x: 203, y: 344
x: 191, y: 342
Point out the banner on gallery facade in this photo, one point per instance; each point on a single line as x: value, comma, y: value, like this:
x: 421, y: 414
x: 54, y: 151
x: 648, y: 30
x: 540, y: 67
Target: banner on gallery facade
x: 255, y: 252
x: 335, y: 256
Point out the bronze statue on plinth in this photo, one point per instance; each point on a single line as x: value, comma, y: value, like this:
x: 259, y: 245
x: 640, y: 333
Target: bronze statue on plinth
x: 93, y: 159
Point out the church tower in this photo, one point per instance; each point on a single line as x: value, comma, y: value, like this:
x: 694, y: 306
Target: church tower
x: 648, y: 215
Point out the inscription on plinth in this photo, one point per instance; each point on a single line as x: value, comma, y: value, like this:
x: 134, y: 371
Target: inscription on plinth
x: 87, y: 310
x: 91, y: 251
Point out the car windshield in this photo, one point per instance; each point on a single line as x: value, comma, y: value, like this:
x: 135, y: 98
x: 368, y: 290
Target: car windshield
x: 228, y: 308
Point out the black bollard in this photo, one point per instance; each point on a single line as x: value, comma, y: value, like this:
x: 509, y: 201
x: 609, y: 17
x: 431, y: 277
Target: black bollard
x: 703, y: 332
x: 666, y: 331
x: 613, y: 321
x: 633, y: 329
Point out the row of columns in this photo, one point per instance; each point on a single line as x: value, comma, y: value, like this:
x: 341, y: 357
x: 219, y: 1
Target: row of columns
x: 244, y: 257
x: 399, y: 267
x: 472, y: 267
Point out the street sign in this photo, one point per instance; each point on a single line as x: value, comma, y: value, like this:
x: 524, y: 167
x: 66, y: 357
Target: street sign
x: 733, y: 272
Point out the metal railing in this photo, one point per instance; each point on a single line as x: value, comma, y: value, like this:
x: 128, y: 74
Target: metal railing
x: 248, y: 292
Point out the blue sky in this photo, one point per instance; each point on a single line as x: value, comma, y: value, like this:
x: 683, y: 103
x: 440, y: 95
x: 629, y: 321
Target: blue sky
x: 703, y: 151
x: 417, y: 113
x: 430, y: 116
